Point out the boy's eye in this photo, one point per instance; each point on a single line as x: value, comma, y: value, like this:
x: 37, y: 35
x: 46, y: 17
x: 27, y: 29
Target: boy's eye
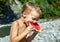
x: 35, y: 19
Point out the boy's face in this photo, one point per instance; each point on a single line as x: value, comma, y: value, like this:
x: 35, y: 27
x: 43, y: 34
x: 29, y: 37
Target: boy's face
x: 32, y: 16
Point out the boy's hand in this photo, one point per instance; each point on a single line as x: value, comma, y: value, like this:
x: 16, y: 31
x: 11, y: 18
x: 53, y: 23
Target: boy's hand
x: 30, y: 28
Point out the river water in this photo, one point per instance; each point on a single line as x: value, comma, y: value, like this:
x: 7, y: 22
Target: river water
x: 49, y: 33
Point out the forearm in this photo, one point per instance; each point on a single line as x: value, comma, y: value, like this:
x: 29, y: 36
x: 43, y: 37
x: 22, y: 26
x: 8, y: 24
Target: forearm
x: 21, y: 36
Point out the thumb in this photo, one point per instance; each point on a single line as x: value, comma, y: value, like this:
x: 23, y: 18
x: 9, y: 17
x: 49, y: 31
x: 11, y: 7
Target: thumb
x: 30, y: 24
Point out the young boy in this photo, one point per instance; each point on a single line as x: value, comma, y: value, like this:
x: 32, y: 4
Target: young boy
x: 20, y: 28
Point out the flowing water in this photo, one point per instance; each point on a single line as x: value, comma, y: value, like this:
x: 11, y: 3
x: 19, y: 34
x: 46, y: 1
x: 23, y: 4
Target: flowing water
x: 50, y: 32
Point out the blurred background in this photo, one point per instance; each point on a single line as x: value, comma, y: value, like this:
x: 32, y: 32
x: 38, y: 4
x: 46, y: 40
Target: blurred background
x: 10, y: 10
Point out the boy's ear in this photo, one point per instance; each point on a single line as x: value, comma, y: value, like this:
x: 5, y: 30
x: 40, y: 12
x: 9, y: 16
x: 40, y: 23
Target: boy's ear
x: 24, y: 14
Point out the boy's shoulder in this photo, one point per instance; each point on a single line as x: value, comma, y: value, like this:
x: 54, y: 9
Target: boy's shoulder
x: 14, y: 22
x: 17, y: 22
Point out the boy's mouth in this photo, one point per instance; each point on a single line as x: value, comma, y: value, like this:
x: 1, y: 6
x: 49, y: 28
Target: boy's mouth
x: 35, y: 25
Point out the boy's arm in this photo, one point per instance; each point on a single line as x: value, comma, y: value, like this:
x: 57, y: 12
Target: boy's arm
x: 13, y: 33
x: 30, y: 38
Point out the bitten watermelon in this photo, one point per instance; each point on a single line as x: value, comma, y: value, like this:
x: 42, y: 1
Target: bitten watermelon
x: 36, y: 26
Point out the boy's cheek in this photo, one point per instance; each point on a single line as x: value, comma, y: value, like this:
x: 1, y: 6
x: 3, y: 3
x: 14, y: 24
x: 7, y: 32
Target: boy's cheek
x: 29, y: 19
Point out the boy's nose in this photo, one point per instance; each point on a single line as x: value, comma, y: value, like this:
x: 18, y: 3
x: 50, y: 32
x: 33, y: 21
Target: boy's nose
x: 34, y: 21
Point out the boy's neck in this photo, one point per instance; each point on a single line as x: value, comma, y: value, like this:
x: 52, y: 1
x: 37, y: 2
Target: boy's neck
x: 23, y: 20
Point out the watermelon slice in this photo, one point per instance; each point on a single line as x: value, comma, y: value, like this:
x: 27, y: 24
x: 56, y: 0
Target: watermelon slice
x: 36, y: 26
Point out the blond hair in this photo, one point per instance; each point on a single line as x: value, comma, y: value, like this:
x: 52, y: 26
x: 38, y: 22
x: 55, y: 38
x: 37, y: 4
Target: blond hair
x: 29, y: 6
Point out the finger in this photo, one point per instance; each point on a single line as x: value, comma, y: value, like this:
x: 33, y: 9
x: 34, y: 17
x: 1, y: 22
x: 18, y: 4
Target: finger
x: 27, y: 36
x: 30, y: 25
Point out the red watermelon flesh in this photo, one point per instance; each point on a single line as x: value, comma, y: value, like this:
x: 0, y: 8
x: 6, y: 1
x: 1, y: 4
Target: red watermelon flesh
x: 36, y: 26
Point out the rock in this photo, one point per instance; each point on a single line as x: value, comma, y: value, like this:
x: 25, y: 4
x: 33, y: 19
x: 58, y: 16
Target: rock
x: 5, y: 39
